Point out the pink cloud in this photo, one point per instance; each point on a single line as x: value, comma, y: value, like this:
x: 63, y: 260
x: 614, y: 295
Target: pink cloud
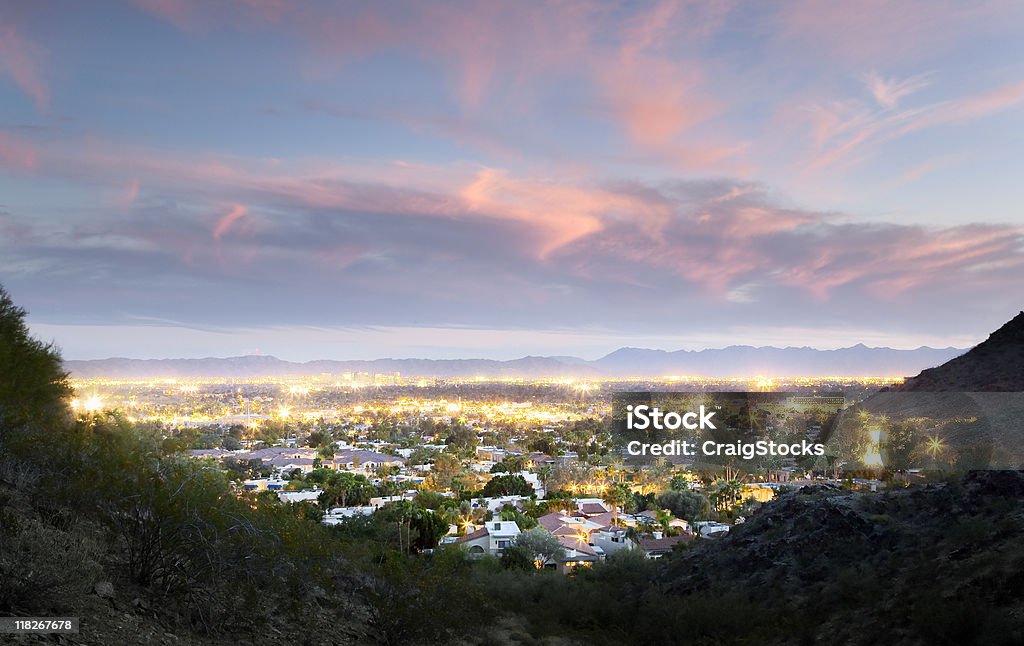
x: 656, y: 100
x: 126, y: 198
x: 710, y: 236
x: 17, y: 153
x: 19, y: 59
x: 653, y: 94
x: 559, y: 214
x: 228, y: 220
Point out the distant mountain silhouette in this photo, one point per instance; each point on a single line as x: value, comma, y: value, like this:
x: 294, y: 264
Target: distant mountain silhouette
x: 995, y: 365
x: 733, y: 361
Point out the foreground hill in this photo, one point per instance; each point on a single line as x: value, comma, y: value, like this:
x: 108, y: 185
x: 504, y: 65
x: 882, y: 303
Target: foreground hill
x: 973, y: 404
x: 996, y: 364
x: 926, y: 565
x: 626, y: 362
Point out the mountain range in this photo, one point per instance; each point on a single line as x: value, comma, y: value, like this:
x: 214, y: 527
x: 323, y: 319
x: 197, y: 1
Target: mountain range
x: 732, y: 361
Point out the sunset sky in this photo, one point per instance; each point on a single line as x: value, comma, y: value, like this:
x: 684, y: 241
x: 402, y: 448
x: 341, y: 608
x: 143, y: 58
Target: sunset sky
x: 494, y: 179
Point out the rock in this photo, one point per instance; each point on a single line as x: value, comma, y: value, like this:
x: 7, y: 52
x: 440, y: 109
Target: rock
x: 104, y: 590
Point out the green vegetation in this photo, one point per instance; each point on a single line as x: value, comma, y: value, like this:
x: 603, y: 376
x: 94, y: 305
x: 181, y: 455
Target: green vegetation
x: 508, y: 485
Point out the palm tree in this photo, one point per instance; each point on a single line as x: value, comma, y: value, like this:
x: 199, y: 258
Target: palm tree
x: 664, y: 519
x: 617, y: 495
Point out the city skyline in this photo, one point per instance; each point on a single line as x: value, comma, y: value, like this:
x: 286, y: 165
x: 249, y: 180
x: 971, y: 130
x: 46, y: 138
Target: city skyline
x: 190, y: 179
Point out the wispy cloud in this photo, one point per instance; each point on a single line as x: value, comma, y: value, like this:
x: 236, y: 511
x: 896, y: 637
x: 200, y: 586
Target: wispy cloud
x: 889, y: 91
x: 20, y: 60
x: 228, y: 220
x: 848, y: 132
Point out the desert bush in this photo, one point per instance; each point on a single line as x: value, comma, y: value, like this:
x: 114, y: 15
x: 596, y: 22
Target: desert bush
x: 42, y: 567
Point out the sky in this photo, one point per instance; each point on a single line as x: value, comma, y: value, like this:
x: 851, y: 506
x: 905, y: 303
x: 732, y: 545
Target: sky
x: 354, y: 180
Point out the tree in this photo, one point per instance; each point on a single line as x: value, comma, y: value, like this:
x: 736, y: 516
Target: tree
x: 416, y: 529
x: 462, y: 440
x: 509, y: 485
x: 33, y: 384
x: 343, y: 489
x: 423, y: 455
x: 543, y: 443
x: 429, y: 526
x: 902, y: 440
x: 319, y: 438
x: 429, y: 499
x: 725, y: 493
x: 617, y: 495
x: 523, y: 521
x: 679, y: 483
x: 325, y: 451
x: 519, y: 558
x: 541, y: 545
x: 445, y: 468
x: 687, y: 504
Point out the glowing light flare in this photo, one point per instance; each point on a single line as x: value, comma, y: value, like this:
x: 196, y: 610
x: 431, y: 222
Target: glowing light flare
x: 873, y: 452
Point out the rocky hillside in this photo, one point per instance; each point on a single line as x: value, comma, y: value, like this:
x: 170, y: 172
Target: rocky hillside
x: 942, y: 563
x: 996, y: 364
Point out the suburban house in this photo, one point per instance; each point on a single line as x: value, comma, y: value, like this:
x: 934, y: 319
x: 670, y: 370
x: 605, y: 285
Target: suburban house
x: 560, y: 524
x: 591, y: 507
x: 216, y: 454
x: 579, y: 536
x: 578, y: 553
x: 264, y: 484
x: 272, y: 453
x: 492, y: 538
x: 538, y: 459
x: 611, y: 539
x: 358, y: 459
x: 288, y: 464
x: 652, y: 518
x: 711, y: 529
x: 496, y: 503
x: 299, y: 496
x: 657, y: 545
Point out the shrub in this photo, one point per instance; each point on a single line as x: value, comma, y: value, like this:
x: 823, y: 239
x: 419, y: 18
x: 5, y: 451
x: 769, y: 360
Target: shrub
x: 43, y: 568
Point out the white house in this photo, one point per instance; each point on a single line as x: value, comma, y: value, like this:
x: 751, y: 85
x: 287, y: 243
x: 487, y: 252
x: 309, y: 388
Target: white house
x: 611, y: 539
x: 299, y: 496
x: 711, y: 529
x: 493, y: 538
